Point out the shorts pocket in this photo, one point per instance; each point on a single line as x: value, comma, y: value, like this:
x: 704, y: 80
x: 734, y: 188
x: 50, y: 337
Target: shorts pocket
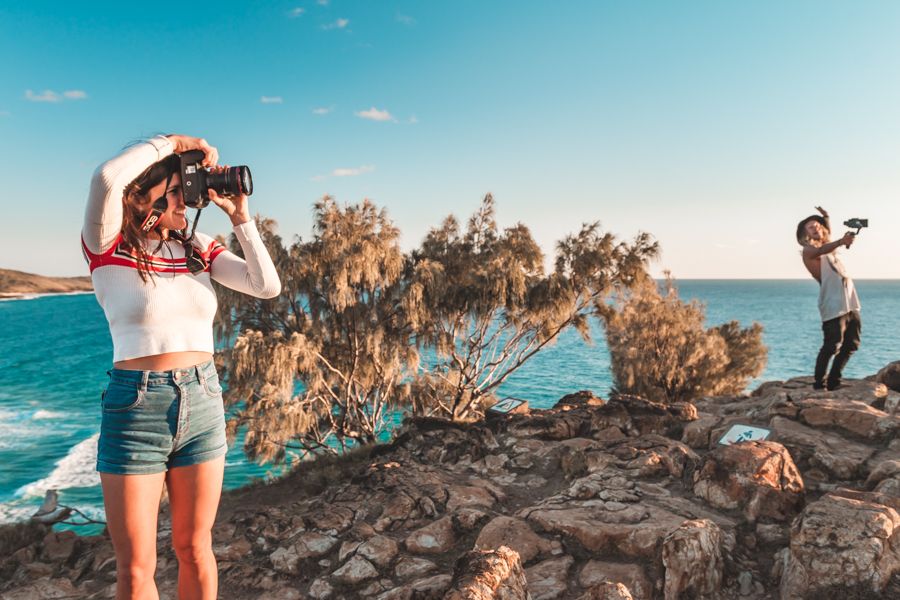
x: 120, y: 397
x: 212, y: 386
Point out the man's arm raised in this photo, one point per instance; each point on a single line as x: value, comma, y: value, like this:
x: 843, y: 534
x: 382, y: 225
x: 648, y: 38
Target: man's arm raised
x: 817, y: 251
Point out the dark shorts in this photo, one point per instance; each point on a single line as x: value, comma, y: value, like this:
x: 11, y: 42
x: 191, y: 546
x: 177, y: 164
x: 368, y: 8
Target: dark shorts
x: 154, y: 421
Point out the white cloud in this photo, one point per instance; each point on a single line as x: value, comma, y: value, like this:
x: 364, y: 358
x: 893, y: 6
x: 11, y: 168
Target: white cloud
x: 322, y: 2
x: 271, y: 100
x: 322, y: 110
x: 406, y: 20
x: 346, y: 172
x: 51, y: 96
x: 351, y: 172
x: 296, y: 12
x: 413, y: 120
x: 373, y: 114
x: 339, y: 24
x: 45, y: 96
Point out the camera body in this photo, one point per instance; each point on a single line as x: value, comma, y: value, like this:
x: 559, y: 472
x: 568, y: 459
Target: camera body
x: 196, y: 179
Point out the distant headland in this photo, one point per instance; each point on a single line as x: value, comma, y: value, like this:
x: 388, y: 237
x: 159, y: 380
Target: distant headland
x: 17, y: 284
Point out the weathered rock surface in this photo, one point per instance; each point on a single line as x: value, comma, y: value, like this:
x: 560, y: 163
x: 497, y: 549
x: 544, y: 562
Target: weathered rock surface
x: 757, y: 478
x: 590, y: 499
x: 694, y: 561
x: 488, y: 575
x: 840, y: 543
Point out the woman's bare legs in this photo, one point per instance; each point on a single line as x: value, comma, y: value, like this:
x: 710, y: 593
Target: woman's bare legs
x: 194, y: 494
x: 132, y: 504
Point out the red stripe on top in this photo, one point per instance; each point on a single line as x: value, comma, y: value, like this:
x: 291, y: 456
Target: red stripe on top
x: 215, y: 248
x: 97, y: 260
x: 119, y: 257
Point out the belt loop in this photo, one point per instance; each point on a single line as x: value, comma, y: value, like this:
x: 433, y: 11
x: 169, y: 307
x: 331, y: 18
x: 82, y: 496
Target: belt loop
x: 201, y: 377
x: 145, y: 375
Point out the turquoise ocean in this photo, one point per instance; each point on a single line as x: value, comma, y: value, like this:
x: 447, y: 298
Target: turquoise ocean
x: 55, y: 351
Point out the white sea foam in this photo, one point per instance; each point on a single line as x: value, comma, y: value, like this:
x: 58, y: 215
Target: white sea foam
x: 76, y: 469
x: 47, y: 414
x: 33, y: 296
x: 12, y: 513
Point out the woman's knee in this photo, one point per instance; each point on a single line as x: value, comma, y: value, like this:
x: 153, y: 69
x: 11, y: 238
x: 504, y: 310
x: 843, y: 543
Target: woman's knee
x: 136, y: 573
x: 193, y: 549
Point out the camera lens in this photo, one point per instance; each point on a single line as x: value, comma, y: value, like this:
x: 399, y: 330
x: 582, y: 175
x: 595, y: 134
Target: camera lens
x: 233, y: 181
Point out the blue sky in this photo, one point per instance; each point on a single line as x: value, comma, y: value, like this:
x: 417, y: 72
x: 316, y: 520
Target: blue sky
x: 715, y: 126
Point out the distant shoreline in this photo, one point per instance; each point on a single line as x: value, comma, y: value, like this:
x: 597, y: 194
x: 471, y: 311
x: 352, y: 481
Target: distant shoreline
x: 5, y: 296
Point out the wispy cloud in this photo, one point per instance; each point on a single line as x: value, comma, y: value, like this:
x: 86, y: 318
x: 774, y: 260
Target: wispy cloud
x: 296, y: 12
x: 373, y: 114
x: 339, y: 24
x: 413, y: 120
x: 406, y: 20
x: 322, y: 2
x: 322, y: 110
x: 351, y: 172
x: 51, y: 96
x: 271, y: 100
x: 346, y: 172
x: 5, y: 113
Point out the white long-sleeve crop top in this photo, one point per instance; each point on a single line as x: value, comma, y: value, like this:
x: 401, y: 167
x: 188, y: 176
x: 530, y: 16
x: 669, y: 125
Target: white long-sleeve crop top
x: 173, y: 310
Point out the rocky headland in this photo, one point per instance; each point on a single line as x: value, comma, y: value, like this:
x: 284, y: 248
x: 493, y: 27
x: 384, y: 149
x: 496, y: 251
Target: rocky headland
x: 16, y: 284
x: 591, y: 499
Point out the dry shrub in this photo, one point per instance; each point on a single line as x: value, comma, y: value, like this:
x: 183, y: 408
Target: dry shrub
x: 661, y: 349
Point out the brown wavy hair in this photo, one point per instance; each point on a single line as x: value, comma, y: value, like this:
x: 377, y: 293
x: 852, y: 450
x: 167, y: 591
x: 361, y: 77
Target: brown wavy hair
x: 802, y: 237
x: 136, y: 203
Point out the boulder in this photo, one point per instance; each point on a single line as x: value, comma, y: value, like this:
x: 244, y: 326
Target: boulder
x: 434, y: 538
x: 838, y: 456
x: 549, y: 579
x: 355, y: 571
x: 515, y: 534
x: 59, y: 545
x: 607, y: 590
x: 409, y: 567
x: 692, y: 556
x: 889, y: 375
x: 853, y: 416
x: 840, y: 544
x: 378, y: 549
x: 633, y: 530
x: 312, y: 544
x: 595, y: 573
x: 488, y: 575
x: 757, y: 478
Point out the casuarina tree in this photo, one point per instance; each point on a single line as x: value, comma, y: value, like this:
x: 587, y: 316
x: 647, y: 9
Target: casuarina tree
x: 320, y: 367
x: 479, y: 298
x: 662, y: 350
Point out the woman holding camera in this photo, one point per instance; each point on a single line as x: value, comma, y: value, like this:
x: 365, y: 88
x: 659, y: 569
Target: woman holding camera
x: 163, y: 419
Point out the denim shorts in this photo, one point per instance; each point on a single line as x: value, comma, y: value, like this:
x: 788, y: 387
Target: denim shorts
x: 157, y: 420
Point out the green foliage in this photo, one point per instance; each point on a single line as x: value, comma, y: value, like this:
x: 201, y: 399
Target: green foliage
x: 481, y: 299
x: 661, y: 350
x: 336, y: 327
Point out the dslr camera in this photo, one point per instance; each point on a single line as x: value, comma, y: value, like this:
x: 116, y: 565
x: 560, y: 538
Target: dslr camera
x: 856, y: 224
x: 195, y: 179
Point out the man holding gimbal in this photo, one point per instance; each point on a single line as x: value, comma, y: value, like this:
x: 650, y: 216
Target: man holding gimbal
x: 838, y: 302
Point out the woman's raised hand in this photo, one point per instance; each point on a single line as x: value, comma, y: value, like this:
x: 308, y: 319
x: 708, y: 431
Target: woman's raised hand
x: 183, y: 143
x: 236, y: 207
